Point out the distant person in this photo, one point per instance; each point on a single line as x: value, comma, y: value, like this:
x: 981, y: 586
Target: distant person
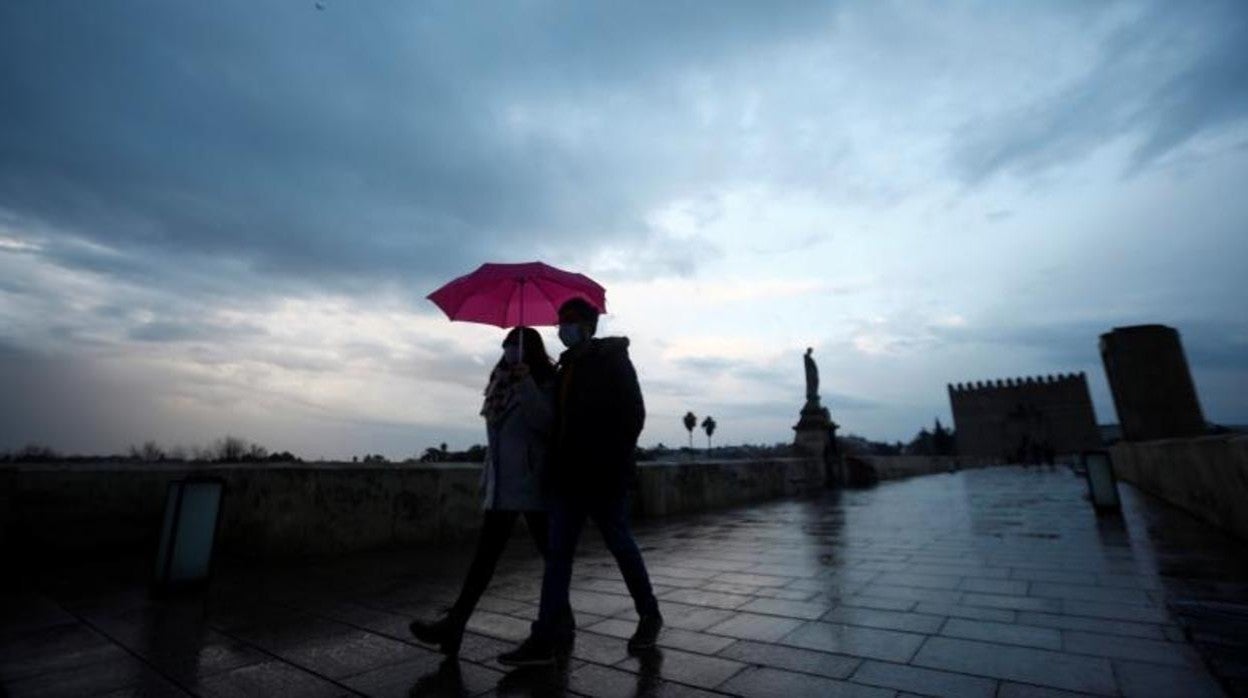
x: 598, y: 416
x: 519, y: 415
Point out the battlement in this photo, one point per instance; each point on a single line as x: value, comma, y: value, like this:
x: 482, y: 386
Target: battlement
x: 1025, y: 417
x: 995, y: 386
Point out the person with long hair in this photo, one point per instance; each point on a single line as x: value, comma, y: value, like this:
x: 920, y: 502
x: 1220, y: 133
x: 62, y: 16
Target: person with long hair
x: 519, y: 414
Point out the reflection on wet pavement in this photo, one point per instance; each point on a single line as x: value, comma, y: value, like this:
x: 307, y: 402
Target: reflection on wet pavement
x: 998, y: 582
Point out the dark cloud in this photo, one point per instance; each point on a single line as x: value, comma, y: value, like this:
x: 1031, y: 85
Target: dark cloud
x: 1173, y: 73
x: 386, y: 140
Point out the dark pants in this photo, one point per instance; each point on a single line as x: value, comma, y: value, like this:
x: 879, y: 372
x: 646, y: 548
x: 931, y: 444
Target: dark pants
x: 495, y: 532
x: 567, y: 520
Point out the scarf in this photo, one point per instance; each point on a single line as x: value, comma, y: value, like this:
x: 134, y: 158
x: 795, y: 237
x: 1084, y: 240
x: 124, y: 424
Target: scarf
x: 498, y: 393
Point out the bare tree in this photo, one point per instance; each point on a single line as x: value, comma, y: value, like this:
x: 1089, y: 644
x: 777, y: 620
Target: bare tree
x: 230, y: 449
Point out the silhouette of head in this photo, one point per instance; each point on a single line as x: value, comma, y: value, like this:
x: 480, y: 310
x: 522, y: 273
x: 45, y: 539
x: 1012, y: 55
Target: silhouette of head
x: 534, y: 352
x: 580, y: 313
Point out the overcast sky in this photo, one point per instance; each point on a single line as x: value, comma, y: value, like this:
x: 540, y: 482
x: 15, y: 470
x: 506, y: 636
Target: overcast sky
x: 223, y: 217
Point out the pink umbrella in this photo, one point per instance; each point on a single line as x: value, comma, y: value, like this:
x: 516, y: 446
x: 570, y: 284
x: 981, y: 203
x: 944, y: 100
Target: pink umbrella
x: 512, y: 295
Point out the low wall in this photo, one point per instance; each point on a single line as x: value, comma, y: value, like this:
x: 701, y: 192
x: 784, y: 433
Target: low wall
x: 1207, y: 476
x: 273, y: 509
x: 328, y: 508
x: 681, y: 488
x: 897, y: 467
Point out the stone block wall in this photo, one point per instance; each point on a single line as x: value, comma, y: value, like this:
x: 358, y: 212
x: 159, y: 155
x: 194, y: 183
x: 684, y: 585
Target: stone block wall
x: 330, y: 508
x: 897, y: 467
x: 1207, y: 476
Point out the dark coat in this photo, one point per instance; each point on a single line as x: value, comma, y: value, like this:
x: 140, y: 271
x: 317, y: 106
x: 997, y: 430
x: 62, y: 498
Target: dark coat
x: 599, y: 414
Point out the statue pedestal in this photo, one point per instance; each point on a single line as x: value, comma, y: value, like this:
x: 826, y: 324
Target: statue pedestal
x: 815, y: 437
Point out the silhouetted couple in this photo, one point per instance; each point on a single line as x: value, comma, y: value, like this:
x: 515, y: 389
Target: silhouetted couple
x: 561, y: 451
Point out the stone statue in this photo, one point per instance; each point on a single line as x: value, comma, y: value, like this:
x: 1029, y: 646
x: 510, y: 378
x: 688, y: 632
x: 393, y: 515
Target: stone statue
x: 812, y: 378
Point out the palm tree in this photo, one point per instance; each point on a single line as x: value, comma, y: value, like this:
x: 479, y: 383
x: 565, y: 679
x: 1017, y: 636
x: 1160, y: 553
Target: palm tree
x: 709, y: 425
x: 691, y: 421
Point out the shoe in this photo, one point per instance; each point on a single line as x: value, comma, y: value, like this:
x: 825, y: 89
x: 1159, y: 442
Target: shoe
x: 447, y: 633
x: 532, y: 652
x: 647, y: 632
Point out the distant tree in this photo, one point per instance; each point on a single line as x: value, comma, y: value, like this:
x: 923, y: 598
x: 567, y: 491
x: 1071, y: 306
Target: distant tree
x: 230, y: 449
x: 708, y: 425
x: 255, y: 453
x: 431, y: 455
x: 35, y: 453
x: 942, y: 440
x: 691, y: 421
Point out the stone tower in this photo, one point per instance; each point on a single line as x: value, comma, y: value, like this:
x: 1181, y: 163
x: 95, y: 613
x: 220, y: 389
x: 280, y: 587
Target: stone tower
x: 1025, y: 419
x: 1152, y: 386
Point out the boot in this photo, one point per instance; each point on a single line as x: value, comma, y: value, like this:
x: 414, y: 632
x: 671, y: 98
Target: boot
x: 447, y: 632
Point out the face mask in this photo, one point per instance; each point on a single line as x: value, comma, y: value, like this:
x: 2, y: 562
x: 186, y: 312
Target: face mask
x: 511, y: 354
x: 570, y: 334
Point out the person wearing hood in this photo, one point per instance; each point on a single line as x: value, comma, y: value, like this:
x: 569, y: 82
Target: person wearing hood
x: 599, y: 413
x: 519, y: 413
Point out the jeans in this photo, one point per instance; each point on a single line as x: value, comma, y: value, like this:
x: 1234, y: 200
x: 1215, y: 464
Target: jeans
x: 495, y: 532
x: 567, y: 520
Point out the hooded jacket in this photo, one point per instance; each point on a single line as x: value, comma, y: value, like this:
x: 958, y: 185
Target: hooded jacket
x: 599, y: 413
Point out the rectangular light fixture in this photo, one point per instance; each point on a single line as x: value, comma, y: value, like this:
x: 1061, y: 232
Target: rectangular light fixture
x: 188, y: 535
x: 1102, y: 484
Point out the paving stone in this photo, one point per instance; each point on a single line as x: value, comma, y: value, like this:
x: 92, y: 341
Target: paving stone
x: 890, y: 620
x: 594, y: 680
x: 766, y: 682
x: 786, y: 593
x: 1092, y: 625
x: 598, y: 603
x: 1017, y: 603
x: 1132, y: 648
x: 499, y: 625
x: 1010, y: 689
x: 443, y: 678
x: 752, y: 626
x: 684, y: 616
x: 754, y: 580
x: 726, y: 588
x: 791, y: 609
x: 599, y: 649
x: 1005, y: 633
x: 871, y: 643
x: 924, y: 681
x: 1051, y: 575
x: 797, y: 659
x: 1009, y: 587
x: 785, y: 570
x: 688, y: 668
x: 1139, y: 680
x: 996, y: 615
x: 55, y: 648
x: 706, y: 598
x: 267, y: 679
x: 922, y: 581
x: 916, y: 594
x: 675, y: 582
x: 969, y: 571
x: 884, y: 604
x: 1129, y: 581
x: 1113, y: 611
x: 1078, y: 592
x: 343, y: 655
x: 1021, y: 664
x: 81, y: 680
x: 676, y: 638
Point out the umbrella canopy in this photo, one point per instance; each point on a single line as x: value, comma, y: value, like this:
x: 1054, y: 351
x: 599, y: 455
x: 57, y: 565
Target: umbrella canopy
x: 510, y: 295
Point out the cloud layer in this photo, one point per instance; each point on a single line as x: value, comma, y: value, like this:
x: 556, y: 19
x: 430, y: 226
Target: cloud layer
x: 225, y: 216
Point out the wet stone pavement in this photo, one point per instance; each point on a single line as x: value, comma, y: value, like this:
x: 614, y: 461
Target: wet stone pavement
x: 996, y: 582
